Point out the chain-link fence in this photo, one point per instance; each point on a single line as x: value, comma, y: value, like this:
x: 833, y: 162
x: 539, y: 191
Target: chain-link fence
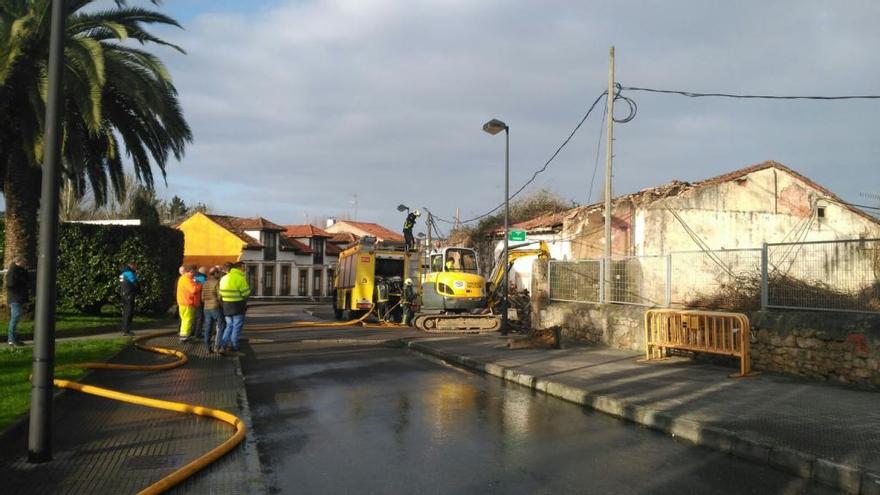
x: 639, y: 280
x: 575, y: 281
x: 824, y: 275
x: 728, y: 279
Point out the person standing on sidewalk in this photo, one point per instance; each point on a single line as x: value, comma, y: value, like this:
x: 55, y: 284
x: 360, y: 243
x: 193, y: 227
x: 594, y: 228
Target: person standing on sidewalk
x: 128, y: 289
x: 17, y: 294
x: 201, y: 276
x: 188, y: 298
x: 213, y: 311
x: 234, y: 292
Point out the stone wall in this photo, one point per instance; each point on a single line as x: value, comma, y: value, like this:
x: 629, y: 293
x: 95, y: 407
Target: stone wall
x: 839, y: 348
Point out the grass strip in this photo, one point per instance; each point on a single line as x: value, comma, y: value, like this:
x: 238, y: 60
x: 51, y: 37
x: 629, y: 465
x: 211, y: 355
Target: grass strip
x: 15, y: 367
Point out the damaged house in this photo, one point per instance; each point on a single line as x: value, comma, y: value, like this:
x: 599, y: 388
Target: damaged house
x: 734, y: 214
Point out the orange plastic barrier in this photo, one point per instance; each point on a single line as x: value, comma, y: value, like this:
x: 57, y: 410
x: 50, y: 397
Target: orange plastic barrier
x: 712, y: 332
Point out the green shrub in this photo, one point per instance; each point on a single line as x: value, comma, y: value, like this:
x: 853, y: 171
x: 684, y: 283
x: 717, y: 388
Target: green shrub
x: 91, y: 258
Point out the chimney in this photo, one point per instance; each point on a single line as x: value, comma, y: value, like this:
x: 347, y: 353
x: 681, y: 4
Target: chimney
x: 330, y: 221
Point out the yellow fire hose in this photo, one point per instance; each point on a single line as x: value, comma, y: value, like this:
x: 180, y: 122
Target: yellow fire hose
x: 328, y: 324
x: 199, y: 463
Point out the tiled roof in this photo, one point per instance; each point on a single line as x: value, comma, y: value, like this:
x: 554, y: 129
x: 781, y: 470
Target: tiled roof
x: 305, y: 231
x: 289, y: 244
x: 374, y: 229
x: 234, y: 225
x: 343, y: 238
x: 554, y: 221
x: 332, y: 249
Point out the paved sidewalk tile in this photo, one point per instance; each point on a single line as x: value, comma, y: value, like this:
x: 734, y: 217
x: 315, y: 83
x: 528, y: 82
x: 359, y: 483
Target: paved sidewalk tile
x: 828, y: 422
x: 105, y: 446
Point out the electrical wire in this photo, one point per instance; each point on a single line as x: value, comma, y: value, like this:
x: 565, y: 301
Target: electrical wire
x: 598, y: 148
x: 692, y: 94
x: 546, y: 164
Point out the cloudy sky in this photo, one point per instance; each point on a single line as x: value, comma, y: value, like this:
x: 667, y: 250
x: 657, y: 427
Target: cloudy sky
x: 297, y: 106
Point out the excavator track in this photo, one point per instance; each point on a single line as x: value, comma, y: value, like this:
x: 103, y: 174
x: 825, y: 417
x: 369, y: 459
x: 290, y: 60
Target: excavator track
x: 457, y: 324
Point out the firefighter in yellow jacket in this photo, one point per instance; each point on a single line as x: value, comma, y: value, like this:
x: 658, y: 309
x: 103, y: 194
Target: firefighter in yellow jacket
x: 234, y: 292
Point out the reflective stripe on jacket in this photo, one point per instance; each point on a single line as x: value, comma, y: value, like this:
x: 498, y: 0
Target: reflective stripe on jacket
x: 382, y: 292
x: 234, y: 286
x: 410, y: 221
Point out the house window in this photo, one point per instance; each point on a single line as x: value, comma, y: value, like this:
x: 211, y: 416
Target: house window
x: 270, y: 245
x: 317, y: 245
x: 330, y: 274
x: 316, y: 286
x: 252, y: 276
x: 820, y: 212
x: 285, y: 280
x: 269, y: 280
x: 303, y: 280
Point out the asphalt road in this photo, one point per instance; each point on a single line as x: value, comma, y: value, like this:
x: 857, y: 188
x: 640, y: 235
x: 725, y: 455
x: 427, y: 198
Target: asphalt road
x: 370, y: 419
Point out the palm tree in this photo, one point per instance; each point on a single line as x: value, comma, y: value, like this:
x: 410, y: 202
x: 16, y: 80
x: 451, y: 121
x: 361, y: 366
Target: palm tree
x: 116, y: 97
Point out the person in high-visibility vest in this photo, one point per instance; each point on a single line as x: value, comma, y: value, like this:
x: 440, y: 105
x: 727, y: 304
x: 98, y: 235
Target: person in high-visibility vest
x: 407, y: 300
x: 408, y: 225
x: 189, y: 297
x: 234, y: 292
x: 381, y: 298
x: 450, y: 265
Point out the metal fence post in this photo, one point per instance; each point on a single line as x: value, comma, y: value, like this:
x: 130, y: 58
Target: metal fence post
x: 603, y: 299
x: 668, y: 280
x: 550, y: 280
x: 765, y: 281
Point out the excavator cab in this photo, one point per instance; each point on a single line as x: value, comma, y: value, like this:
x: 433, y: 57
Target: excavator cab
x: 453, y: 293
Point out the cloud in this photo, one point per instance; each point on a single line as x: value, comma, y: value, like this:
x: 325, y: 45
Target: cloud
x: 296, y: 106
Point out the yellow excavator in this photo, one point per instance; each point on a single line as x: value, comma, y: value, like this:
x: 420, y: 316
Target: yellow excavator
x: 455, y: 298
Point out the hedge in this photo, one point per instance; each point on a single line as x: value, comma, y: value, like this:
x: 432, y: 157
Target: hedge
x: 90, y: 259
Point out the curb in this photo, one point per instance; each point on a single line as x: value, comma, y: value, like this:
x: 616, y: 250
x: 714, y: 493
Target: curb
x: 849, y: 479
x: 255, y: 479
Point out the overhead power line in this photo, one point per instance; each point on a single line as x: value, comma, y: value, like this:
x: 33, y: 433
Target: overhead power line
x: 546, y: 164
x: 692, y: 94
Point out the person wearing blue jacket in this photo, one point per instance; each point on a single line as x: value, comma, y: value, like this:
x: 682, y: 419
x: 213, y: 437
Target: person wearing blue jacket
x: 128, y: 289
x: 200, y: 277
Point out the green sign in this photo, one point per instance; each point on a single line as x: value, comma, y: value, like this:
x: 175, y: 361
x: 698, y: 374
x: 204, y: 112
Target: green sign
x: 516, y: 235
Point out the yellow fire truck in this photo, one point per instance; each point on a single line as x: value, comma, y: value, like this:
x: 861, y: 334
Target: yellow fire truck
x: 359, y: 265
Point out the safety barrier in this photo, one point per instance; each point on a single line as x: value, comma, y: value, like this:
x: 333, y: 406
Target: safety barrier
x: 711, y: 332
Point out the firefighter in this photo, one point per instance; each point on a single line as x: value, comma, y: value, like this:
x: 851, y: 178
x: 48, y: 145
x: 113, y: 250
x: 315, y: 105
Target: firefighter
x: 381, y: 298
x: 407, y: 299
x: 408, y: 225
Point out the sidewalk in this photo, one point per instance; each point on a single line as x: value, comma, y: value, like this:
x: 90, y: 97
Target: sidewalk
x: 104, y: 446
x: 817, y: 431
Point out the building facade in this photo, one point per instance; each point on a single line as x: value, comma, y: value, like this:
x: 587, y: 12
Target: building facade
x: 276, y: 264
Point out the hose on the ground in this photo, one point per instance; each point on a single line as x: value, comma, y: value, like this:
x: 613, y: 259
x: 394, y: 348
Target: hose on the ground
x: 362, y: 321
x: 199, y: 463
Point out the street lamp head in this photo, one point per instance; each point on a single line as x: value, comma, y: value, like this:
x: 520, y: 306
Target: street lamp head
x: 494, y: 126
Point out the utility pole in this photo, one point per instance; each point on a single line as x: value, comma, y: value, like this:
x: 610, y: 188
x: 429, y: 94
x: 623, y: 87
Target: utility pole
x: 40, y: 429
x: 609, y: 136
x: 430, y: 225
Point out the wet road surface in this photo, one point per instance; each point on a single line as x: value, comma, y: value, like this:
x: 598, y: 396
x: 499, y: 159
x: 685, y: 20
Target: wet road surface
x: 371, y: 419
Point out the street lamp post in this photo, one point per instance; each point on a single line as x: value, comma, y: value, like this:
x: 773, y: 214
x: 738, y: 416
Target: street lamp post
x: 40, y: 432
x: 493, y: 127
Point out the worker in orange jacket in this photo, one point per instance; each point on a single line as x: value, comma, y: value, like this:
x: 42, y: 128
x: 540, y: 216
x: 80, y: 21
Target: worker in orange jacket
x: 189, y: 298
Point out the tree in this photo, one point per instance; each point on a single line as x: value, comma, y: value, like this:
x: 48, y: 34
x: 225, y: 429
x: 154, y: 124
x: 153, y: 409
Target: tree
x: 176, y: 209
x: 115, y: 96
